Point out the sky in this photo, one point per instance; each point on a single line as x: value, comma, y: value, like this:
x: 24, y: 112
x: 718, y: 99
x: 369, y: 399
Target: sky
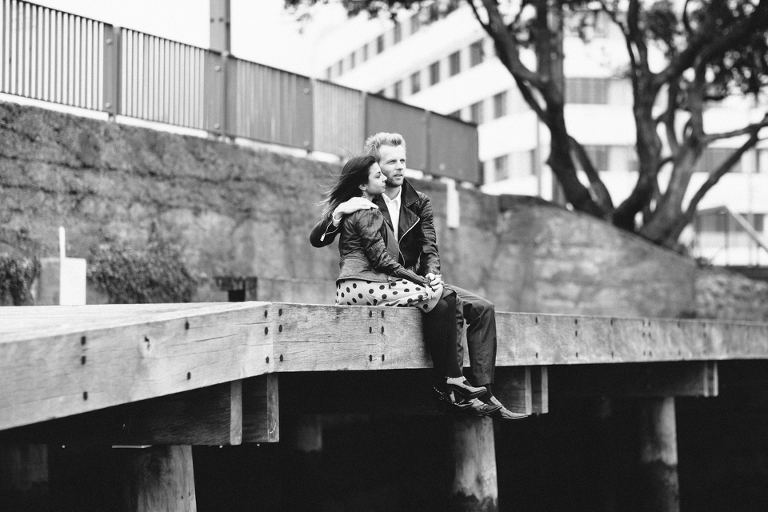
x: 262, y: 30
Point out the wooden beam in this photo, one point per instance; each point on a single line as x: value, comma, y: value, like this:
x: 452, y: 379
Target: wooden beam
x: 79, y: 359
x: 475, y: 485
x: 58, y: 361
x: 261, y: 415
x: 207, y: 416
x: 659, y: 488
x: 685, y: 378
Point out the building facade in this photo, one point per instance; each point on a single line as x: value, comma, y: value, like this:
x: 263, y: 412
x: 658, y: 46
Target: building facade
x: 447, y: 64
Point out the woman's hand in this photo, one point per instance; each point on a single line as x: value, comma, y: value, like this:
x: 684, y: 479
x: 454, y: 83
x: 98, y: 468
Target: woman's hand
x: 351, y: 206
x: 434, y: 280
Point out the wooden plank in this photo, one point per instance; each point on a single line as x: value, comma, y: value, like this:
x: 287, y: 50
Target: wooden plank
x: 159, y: 478
x: 539, y: 389
x: 261, y: 414
x: 206, y: 416
x: 58, y: 361
x: 73, y: 369
x: 684, y: 378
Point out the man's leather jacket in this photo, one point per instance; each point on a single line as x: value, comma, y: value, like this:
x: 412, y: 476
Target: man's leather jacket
x: 367, y: 249
x: 417, y: 244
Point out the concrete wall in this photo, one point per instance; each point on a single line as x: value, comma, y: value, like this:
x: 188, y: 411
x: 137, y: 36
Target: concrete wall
x: 243, y: 212
x: 725, y: 295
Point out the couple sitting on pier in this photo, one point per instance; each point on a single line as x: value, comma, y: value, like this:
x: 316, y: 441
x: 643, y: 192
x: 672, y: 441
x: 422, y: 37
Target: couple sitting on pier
x: 389, y: 257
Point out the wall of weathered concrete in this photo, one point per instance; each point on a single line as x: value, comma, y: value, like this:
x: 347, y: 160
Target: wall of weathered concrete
x: 725, y: 295
x: 243, y: 212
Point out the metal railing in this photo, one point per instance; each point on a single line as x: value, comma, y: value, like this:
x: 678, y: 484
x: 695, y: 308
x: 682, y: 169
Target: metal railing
x: 62, y: 58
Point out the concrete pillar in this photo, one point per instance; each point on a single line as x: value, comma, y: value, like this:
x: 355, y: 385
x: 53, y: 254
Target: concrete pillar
x: 474, y: 487
x: 24, y: 477
x: 659, y: 487
x: 158, y: 478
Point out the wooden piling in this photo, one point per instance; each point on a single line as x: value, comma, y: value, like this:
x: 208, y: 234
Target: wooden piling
x: 158, y: 478
x: 659, y: 486
x: 24, y: 477
x: 474, y: 487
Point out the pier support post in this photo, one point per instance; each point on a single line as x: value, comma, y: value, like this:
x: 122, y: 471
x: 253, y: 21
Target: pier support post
x: 474, y: 487
x: 659, y: 486
x: 158, y: 478
x: 24, y: 477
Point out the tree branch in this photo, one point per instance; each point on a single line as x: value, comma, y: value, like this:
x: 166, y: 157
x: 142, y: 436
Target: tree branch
x: 669, y: 116
x: 749, y: 129
x: 602, y: 195
x: 624, y: 30
x: 530, y: 99
x: 510, y: 56
x: 718, y: 173
x: 713, y: 41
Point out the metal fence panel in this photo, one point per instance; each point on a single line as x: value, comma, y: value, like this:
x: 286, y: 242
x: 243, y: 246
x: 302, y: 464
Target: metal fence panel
x: 161, y: 80
x: 273, y: 105
x: 382, y: 115
x: 453, y: 149
x: 50, y: 55
x: 339, y: 119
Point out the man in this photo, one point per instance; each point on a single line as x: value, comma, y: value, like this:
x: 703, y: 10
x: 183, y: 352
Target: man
x: 409, y: 214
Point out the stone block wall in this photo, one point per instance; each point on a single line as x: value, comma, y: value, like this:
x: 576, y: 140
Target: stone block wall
x: 242, y: 212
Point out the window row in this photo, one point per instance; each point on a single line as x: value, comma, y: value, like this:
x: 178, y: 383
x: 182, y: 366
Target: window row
x: 390, y: 38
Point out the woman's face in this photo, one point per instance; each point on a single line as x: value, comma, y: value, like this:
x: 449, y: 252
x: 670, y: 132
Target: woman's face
x: 376, y: 181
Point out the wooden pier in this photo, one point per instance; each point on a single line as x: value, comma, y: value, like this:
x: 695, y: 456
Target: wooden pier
x: 171, y: 376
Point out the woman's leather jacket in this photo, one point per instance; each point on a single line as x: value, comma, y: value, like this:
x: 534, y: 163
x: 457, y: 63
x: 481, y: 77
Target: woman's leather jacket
x: 368, y: 249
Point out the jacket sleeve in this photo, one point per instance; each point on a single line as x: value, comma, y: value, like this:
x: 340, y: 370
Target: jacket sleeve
x: 324, y: 233
x: 368, y: 224
x: 430, y: 258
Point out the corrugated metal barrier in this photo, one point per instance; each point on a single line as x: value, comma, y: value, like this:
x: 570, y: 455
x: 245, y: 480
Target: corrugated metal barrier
x: 339, y: 119
x: 58, y: 57
x: 50, y: 55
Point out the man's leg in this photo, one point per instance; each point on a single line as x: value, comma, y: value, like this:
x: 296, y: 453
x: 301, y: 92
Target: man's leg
x: 480, y: 316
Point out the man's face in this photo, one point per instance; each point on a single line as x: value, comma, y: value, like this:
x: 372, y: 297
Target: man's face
x: 392, y: 164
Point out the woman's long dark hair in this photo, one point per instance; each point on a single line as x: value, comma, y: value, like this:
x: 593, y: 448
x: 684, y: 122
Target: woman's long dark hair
x: 354, y: 174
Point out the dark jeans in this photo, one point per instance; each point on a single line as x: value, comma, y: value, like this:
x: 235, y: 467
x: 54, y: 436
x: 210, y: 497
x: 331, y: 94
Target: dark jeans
x: 442, y: 337
x: 480, y: 315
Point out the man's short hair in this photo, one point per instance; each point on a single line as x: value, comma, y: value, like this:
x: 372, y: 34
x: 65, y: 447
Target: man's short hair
x: 374, y: 142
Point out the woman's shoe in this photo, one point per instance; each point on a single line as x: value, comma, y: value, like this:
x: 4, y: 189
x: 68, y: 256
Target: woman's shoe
x: 464, y: 390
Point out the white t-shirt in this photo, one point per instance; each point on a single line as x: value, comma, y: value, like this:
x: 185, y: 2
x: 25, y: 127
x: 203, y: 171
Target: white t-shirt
x: 393, y: 205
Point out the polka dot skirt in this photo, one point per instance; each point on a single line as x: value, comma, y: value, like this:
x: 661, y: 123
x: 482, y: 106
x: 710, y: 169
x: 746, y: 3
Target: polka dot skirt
x: 399, y: 293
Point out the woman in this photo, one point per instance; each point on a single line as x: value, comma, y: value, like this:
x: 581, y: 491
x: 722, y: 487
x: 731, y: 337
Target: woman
x: 371, y: 275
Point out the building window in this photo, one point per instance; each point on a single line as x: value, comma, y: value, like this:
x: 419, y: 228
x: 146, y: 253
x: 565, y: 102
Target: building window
x: 712, y: 158
x: 328, y: 73
x: 476, y: 113
x: 398, y: 90
x: 340, y: 67
x: 500, y: 105
x: 434, y: 73
x: 415, y: 23
x: 415, y: 82
x: 598, y: 155
x: 398, y: 32
x: 456, y: 114
x: 717, y: 222
x: 365, y: 52
x: 476, y: 53
x: 454, y: 63
x: 380, y: 44
x: 500, y: 168
x: 586, y: 91
x: 352, y: 60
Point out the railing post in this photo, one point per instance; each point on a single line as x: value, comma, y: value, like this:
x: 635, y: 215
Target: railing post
x: 112, y: 66
x: 215, y: 92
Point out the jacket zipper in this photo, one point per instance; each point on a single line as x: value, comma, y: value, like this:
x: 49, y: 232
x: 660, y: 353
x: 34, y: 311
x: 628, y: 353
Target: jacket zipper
x: 403, y: 236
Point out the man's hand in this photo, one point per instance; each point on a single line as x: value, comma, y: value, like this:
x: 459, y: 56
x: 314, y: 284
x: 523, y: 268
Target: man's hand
x: 434, y: 280
x: 351, y: 206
